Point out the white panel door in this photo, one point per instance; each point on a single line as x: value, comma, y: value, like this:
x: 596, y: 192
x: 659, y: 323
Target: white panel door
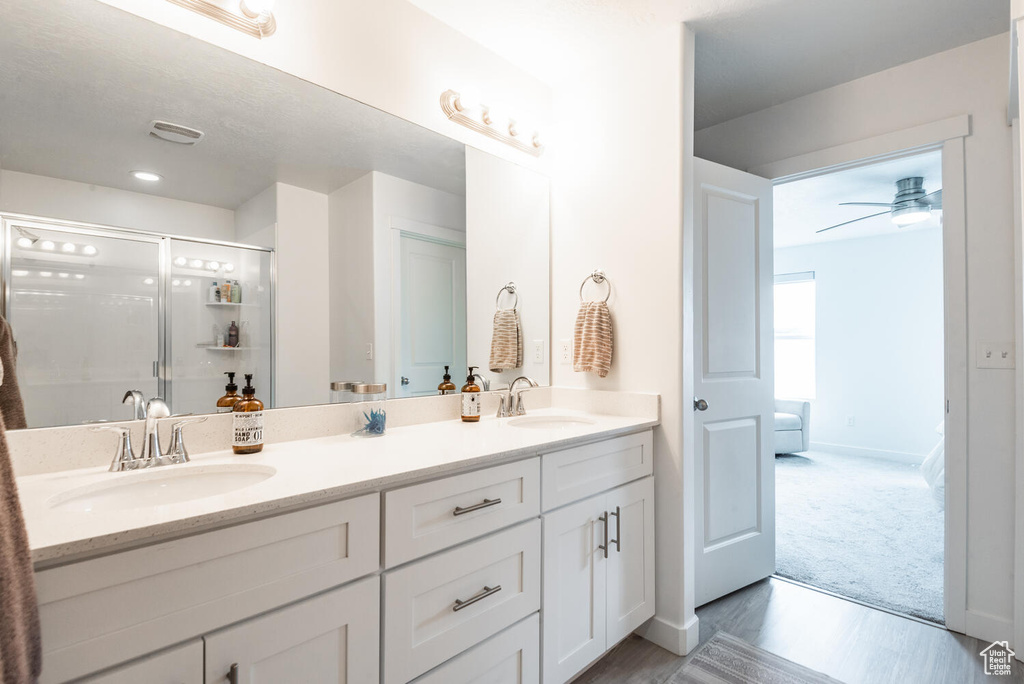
x: 431, y: 315
x: 574, y: 608
x: 733, y: 380
x: 329, y: 639
x: 630, y: 558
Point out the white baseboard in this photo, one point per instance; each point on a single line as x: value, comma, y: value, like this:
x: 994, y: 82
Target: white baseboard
x: 678, y: 640
x: 989, y: 628
x: 845, y: 450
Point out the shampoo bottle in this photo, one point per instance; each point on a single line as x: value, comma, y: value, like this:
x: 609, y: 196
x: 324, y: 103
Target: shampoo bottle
x: 214, y: 293
x: 248, y: 421
x: 226, y: 403
x: 446, y: 386
x: 470, y: 399
x: 225, y: 291
x: 232, y: 335
x: 236, y: 293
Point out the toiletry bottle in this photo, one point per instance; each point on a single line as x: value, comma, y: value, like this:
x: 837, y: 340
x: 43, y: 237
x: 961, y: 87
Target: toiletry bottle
x: 446, y: 386
x: 225, y: 291
x: 470, y: 399
x: 236, y: 293
x: 226, y: 403
x: 219, y: 342
x: 232, y: 335
x: 247, y: 417
x: 214, y: 293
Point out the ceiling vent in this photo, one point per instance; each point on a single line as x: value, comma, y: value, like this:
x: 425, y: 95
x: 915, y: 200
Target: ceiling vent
x: 175, y: 133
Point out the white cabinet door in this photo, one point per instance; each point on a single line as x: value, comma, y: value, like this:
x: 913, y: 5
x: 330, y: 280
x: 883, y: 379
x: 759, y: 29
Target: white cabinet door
x: 630, y: 558
x: 330, y: 638
x: 574, y: 589
x: 179, y: 665
x: 733, y: 381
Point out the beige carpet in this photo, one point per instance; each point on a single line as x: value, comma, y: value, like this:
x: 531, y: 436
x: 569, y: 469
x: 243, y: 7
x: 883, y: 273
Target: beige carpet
x: 724, y: 659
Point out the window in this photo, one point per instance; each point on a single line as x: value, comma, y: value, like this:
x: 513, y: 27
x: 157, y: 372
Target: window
x: 794, y: 336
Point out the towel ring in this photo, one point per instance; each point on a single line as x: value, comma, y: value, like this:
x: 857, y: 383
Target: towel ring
x: 598, y: 277
x: 511, y: 289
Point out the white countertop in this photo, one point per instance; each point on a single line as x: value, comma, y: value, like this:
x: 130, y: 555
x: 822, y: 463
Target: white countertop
x: 308, y: 472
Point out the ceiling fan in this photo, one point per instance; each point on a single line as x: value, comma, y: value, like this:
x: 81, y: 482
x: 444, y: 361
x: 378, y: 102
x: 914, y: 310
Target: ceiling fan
x: 911, y: 204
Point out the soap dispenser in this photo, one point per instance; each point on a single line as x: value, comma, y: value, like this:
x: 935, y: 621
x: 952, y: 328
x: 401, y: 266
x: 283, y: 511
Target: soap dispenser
x: 471, y: 399
x: 247, y: 417
x: 226, y: 403
x: 446, y: 386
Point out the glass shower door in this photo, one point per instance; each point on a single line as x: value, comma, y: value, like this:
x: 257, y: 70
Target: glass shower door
x: 84, y: 306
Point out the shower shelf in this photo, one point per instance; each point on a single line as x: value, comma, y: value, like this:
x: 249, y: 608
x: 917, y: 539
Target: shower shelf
x: 227, y: 304
x: 213, y: 347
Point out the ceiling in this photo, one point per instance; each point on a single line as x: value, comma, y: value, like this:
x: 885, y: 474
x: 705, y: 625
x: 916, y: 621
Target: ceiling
x: 76, y: 104
x: 751, y: 54
x: 805, y: 206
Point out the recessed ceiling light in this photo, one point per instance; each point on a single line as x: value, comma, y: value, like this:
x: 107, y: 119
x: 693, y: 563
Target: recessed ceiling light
x: 89, y: 250
x: 180, y: 261
x: 69, y: 247
x: 25, y: 242
x: 147, y: 176
x: 48, y: 245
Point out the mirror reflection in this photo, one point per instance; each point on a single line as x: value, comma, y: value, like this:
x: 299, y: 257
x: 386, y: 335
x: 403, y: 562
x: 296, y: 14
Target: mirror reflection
x: 172, y: 212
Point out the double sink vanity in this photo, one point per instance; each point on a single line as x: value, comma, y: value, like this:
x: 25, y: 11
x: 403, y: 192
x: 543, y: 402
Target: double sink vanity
x: 514, y: 549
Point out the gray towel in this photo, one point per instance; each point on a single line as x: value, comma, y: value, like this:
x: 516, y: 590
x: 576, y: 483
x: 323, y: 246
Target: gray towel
x: 21, y: 651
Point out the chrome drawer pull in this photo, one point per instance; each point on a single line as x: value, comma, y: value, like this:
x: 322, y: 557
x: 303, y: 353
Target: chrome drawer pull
x: 618, y: 529
x: 604, y: 547
x: 459, y: 510
x: 488, y: 591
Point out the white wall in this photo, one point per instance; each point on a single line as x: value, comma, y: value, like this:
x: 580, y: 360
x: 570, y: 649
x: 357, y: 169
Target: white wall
x: 302, y: 323
x: 971, y: 79
x: 25, y: 193
x: 619, y: 167
x: 508, y: 208
x: 879, y: 342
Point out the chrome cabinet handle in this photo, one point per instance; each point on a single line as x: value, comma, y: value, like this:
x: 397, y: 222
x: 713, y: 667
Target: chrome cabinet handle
x: 486, y: 503
x: 618, y: 529
x: 604, y: 518
x: 699, y: 404
x: 487, y: 591
x: 232, y: 675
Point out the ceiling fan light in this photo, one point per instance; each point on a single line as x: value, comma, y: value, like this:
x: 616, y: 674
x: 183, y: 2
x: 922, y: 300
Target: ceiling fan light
x: 908, y: 216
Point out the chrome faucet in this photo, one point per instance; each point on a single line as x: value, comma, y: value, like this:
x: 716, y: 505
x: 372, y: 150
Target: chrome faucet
x: 484, y: 382
x: 138, y: 404
x: 519, y: 409
x: 151, y: 454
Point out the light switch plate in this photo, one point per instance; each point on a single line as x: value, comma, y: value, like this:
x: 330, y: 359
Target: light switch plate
x: 565, y: 347
x: 538, y: 351
x: 996, y: 355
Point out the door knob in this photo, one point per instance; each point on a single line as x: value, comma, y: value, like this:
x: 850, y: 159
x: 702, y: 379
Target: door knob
x: 405, y: 380
x: 699, y: 404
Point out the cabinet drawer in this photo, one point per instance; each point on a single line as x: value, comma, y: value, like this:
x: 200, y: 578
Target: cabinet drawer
x: 180, y: 665
x: 438, y: 607
x: 432, y: 516
x: 582, y: 471
x: 512, y: 657
x: 104, y: 611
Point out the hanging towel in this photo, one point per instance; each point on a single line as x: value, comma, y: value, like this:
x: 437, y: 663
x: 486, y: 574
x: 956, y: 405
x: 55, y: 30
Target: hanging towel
x: 506, y: 341
x: 592, y: 342
x: 21, y: 652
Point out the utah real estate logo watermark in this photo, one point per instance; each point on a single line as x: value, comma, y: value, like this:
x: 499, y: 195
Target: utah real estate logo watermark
x: 998, y: 658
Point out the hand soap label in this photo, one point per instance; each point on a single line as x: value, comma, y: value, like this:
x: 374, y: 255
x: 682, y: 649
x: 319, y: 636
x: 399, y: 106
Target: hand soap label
x: 248, y: 429
x: 471, y: 404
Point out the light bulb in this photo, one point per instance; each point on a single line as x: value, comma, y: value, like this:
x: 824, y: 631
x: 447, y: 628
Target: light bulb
x: 148, y: 281
x: 89, y: 250
x: 175, y: 283
x: 45, y: 274
x: 196, y: 263
x: 63, y: 275
x: 24, y: 242
x: 180, y: 261
x: 18, y: 272
x: 79, y: 276
x: 213, y: 265
x: 48, y: 245
x: 69, y: 248
x: 187, y: 283
x: 228, y: 268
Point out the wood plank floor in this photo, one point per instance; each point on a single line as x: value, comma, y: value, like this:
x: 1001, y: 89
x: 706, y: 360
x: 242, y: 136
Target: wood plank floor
x: 845, y: 640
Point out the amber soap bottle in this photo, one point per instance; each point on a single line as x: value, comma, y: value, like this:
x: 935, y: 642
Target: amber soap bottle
x: 470, y: 399
x: 446, y: 386
x: 227, y: 403
x: 248, y: 421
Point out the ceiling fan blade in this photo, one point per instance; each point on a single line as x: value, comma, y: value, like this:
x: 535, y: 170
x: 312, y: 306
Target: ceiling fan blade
x: 865, y: 204
x: 934, y: 199
x: 846, y: 223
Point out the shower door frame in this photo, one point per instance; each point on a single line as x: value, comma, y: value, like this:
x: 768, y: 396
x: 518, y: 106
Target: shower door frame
x: 163, y: 243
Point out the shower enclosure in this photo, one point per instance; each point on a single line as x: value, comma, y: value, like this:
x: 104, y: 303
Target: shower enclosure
x: 97, y: 311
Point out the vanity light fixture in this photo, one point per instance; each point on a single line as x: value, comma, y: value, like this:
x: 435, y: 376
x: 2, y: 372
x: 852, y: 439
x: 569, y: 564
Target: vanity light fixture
x: 79, y: 276
x: 196, y: 263
x: 180, y: 261
x: 25, y: 243
x: 147, y: 176
x: 254, y: 18
x: 229, y: 267
x: 148, y: 281
x: 47, y: 246
x: 64, y: 275
x: 89, y: 250
x: 69, y: 248
x: 46, y: 274
x: 213, y: 265
x: 18, y: 272
x: 484, y: 119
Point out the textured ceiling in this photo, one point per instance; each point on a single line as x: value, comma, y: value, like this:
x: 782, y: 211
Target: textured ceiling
x: 80, y: 82
x: 805, y: 206
x: 751, y: 54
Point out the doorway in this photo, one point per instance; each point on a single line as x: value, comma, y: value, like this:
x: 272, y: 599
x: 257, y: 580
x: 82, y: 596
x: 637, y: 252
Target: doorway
x: 859, y: 391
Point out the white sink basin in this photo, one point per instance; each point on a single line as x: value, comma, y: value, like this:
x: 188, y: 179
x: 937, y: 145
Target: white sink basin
x: 160, y: 486
x: 550, y: 422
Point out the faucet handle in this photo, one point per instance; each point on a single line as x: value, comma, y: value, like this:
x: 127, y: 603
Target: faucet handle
x: 124, y: 458
x: 176, y: 452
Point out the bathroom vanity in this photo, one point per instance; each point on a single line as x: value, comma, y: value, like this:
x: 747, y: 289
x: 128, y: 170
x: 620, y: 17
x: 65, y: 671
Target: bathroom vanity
x: 500, y: 551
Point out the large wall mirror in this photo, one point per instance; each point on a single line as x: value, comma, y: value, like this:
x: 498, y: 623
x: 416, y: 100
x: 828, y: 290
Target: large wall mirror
x: 172, y: 211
